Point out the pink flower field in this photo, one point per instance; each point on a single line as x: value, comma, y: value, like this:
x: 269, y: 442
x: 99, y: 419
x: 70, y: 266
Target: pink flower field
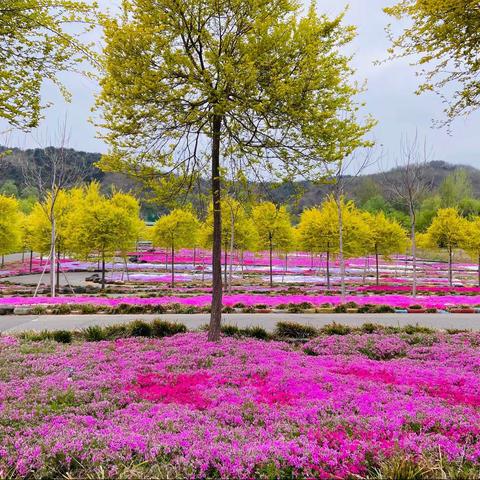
x: 340, y: 406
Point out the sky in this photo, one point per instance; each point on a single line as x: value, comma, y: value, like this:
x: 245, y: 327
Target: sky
x: 389, y: 98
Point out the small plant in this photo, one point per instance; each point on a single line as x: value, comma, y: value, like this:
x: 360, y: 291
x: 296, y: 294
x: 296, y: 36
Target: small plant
x: 62, y: 336
x: 294, y: 330
x: 94, y: 333
x: 260, y: 306
x: 112, y: 332
x: 415, y: 307
x: 230, y: 330
x: 162, y: 328
x: 294, y: 308
x: 61, y: 309
x: 228, y: 309
x: 255, y: 332
x: 88, y: 308
x: 351, y: 305
x: 412, y: 329
x: 239, y: 305
x: 384, y: 309
x: 305, y: 305
x: 371, y: 328
x: 38, y: 310
x: 431, y: 310
x: 282, y: 306
x: 335, y: 329
x: 248, y: 310
x: 340, y: 308
x: 157, y: 309
x: 139, y: 328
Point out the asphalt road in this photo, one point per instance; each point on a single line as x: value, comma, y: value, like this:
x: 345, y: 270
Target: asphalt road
x: 19, y: 323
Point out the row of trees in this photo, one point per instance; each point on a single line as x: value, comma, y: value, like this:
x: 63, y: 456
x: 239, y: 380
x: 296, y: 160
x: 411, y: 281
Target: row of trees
x: 86, y: 224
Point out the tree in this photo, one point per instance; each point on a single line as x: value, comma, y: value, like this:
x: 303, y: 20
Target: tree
x: 102, y: 225
x: 34, y: 46
x: 273, y: 228
x: 176, y: 230
x: 387, y: 237
x: 443, y: 35
x: 10, y: 225
x: 214, y: 81
x: 448, y: 231
x: 407, y: 184
x: 471, y: 241
x: 456, y: 187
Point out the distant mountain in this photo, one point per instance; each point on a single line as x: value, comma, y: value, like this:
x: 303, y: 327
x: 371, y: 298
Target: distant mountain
x: 297, y: 195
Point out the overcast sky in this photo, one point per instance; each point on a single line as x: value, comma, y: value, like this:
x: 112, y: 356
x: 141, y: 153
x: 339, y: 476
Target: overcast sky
x: 390, y: 98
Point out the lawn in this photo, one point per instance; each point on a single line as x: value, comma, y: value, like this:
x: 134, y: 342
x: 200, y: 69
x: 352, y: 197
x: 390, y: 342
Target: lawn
x: 363, y: 404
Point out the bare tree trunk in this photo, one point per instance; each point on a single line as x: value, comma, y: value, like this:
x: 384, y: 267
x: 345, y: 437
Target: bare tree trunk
x: 232, y: 243
x: 414, y: 253
x: 52, y: 257
x: 3, y: 260
x: 31, y: 261
x: 271, y: 262
x: 328, y: 267
x: 225, y: 267
x: 216, y: 311
x: 376, y: 265
x: 58, y: 270
x: 194, y: 256
x: 340, y: 250
x: 172, y: 263
x: 103, y: 271
x: 450, y: 274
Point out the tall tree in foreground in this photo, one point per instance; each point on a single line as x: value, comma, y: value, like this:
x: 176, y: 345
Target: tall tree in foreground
x: 444, y: 40
x: 408, y: 184
x: 193, y: 86
x: 34, y: 46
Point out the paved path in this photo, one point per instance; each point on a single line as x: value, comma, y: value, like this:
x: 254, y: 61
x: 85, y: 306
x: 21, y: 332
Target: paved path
x: 18, y: 323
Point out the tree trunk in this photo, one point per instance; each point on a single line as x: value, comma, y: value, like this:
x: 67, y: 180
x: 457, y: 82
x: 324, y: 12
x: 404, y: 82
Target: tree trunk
x: 194, y: 256
x: 376, y: 265
x: 216, y: 311
x: 172, y: 263
x: 58, y: 271
x: 232, y: 243
x: 414, y: 253
x: 225, y: 267
x: 103, y: 271
x: 52, y: 259
x: 3, y: 260
x: 450, y: 275
x: 328, y: 267
x: 31, y: 261
x: 271, y: 262
x: 340, y: 250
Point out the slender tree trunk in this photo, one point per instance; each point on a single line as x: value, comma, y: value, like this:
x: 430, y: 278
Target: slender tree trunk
x: 450, y: 275
x: 58, y: 271
x: 31, y: 261
x: 3, y: 260
x: 103, y: 271
x: 225, y: 267
x: 340, y: 250
x: 52, y: 259
x: 173, y: 264
x: 328, y: 267
x: 271, y: 262
x: 376, y: 264
x: 194, y: 256
x: 232, y: 243
x: 414, y: 253
x: 216, y: 311
x: 286, y: 267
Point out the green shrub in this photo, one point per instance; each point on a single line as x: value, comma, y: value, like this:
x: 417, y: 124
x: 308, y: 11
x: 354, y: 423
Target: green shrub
x: 384, y: 309
x: 371, y: 328
x: 62, y: 336
x: 112, y: 332
x: 139, y: 328
x: 294, y: 308
x: 305, y: 305
x: 340, y: 308
x: 239, y: 305
x: 228, y: 309
x: 230, y: 330
x: 431, y: 310
x: 260, y: 306
x: 33, y: 336
x: 38, y: 310
x: 294, y: 330
x: 415, y: 307
x: 162, y: 328
x: 412, y: 329
x: 88, y: 308
x: 248, y: 310
x: 351, y: 305
x: 336, y: 329
x: 157, y: 308
x: 62, y: 309
x: 94, y: 333
x: 255, y: 332
x: 282, y: 306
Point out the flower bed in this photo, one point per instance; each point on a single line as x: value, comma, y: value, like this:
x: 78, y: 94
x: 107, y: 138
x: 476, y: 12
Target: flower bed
x: 250, y: 300
x: 183, y: 407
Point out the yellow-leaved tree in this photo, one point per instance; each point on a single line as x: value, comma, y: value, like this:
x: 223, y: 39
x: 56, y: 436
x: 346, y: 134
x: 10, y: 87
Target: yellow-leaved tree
x: 274, y: 229
x: 447, y: 230
x: 176, y: 230
x: 10, y: 226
